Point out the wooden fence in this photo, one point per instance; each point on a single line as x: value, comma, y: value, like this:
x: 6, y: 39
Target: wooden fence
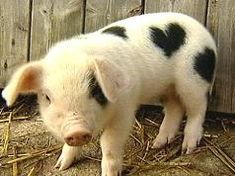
x: 29, y: 27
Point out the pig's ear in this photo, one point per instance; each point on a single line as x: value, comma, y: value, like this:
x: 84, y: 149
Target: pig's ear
x: 26, y: 79
x: 111, y: 78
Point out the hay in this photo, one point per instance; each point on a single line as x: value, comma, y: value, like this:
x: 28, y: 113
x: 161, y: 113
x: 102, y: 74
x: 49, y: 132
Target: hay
x: 42, y: 153
x: 138, y: 158
x: 142, y: 157
x: 219, y: 153
x: 31, y: 172
x: 15, y: 119
x: 6, y: 137
x: 15, y: 165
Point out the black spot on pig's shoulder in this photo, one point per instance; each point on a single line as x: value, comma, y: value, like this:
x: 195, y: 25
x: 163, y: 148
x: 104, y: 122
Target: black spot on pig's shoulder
x: 204, y: 64
x: 117, y: 31
x: 96, y: 91
x: 170, y: 39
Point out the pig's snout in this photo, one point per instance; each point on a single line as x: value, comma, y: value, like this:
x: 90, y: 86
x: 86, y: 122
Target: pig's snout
x: 78, y: 138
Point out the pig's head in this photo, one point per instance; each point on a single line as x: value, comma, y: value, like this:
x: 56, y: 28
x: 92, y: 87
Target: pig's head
x: 75, y: 91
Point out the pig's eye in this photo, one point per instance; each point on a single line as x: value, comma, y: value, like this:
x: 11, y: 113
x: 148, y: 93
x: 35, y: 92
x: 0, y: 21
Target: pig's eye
x: 46, y: 97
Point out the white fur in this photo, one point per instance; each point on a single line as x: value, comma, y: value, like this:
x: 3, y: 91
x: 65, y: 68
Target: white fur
x: 68, y: 156
x: 131, y: 72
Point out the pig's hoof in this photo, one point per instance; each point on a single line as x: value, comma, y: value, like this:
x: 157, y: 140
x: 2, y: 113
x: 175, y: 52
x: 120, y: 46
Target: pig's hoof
x: 190, y: 143
x: 111, y: 168
x: 64, y: 162
x: 67, y: 157
x: 113, y: 173
x: 161, y: 140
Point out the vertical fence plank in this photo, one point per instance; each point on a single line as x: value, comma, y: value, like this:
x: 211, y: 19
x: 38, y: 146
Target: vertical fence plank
x: 195, y: 8
x: 54, y: 20
x: 221, y: 20
x: 100, y: 13
x: 14, y: 28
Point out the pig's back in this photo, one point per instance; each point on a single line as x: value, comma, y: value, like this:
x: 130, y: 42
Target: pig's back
x: 162, y: 43
x: 163, y: 31
x: 154, y: 49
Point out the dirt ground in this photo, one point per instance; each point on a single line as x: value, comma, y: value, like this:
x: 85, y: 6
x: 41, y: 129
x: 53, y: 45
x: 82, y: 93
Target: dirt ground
x: 27, y: 148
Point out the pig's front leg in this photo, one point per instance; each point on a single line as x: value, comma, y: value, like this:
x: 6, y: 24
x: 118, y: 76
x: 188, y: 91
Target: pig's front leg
x: 68, y: 155
x: 112, y: 143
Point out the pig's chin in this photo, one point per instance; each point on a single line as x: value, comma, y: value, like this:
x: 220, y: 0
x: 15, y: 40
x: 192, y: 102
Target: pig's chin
x: 76, y: 145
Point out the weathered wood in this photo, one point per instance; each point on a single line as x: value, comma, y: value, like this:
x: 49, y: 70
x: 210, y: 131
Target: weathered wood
x: 221, y: 15
x: 194, y: 8
x: 14, y: 28
x: 100, y: 13
x: 24, y: 38
x: 54, y: 20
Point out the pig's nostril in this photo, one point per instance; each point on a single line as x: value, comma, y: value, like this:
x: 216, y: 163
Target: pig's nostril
x: 70, y: 140
x: 86, y: 137
x: 77, y: 139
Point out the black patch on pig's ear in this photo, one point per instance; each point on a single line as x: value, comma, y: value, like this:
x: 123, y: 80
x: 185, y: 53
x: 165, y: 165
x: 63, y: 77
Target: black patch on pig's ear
x: 116, y: 30
x: 169, y: 40
x: 96, y: 91
x: 204, y: 64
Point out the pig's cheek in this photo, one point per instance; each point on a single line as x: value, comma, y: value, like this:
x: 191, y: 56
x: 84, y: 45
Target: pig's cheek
x: 54, y: 129
x: 53, y: 124
x: 93, y: 119
x: 97, y: 122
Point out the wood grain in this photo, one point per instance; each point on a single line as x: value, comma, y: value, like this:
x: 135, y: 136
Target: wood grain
x: 100, y: 13
x: 195, y: 8
x: 14, y: 28
x: 221, y: 20
x: 27, y: 32
x: 52, y: 21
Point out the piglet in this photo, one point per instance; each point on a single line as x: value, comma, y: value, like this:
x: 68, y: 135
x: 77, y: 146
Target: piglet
x: 95, y: 82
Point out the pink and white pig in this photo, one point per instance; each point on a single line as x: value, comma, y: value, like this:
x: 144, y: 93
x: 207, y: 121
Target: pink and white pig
x: 96, y: 82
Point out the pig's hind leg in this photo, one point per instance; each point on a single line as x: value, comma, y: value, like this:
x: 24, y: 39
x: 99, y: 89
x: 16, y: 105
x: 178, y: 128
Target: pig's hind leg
x: 193, y: 94
x: 113, y: 140
x: 195, y: 108
x: 174, y: 112
x: 193, y: 82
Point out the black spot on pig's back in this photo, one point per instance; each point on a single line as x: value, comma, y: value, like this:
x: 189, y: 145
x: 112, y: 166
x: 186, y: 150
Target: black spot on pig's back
x: 204, y: 64
x: 117, y: 31
x: 96, y: 91
x: 170, y: 39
